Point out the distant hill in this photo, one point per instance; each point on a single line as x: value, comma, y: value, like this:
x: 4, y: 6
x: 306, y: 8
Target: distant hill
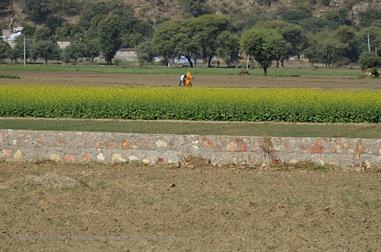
x: 12, y: 12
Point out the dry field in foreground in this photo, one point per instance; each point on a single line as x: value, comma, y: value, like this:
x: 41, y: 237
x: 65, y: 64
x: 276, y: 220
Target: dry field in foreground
x: 94, y: 207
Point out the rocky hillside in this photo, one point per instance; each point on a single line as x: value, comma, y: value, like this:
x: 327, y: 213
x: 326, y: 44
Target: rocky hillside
x: 12, y: 12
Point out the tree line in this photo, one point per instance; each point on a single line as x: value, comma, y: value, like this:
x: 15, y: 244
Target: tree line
x: 103, y: 28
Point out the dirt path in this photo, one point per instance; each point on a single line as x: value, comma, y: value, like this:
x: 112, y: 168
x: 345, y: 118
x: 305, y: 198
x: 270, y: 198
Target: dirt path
x: 58, y: 207
x: 200, y: 81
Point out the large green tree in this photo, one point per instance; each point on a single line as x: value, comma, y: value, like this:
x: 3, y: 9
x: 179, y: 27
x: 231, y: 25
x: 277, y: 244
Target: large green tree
x: 193, y: 38
x: 228, y: 48
x: 163, y: 40
x: 109, y: 37
x: 261, y: 44
x: 326, y: 48
x: 47, y: 50
x: 294, y: 39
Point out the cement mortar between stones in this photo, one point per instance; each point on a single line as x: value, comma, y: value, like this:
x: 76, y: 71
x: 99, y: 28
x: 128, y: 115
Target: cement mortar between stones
x: 25, y: 145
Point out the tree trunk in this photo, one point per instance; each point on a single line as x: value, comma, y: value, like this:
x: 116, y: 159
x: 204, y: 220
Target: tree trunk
x: 282, y: 62
x: 210, y: 62
x: 265, y: 70
x: 190, y: 61
x: 46, y: 62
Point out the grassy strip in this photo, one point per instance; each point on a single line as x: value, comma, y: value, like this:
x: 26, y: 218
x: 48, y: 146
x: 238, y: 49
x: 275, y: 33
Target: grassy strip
x: 273, y: 72
x: 9, y: 76
x: 211, y: 104
x: 198, y: 128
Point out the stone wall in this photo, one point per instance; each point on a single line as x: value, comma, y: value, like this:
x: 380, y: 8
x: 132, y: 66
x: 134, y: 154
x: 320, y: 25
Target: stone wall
x: 19, y: 145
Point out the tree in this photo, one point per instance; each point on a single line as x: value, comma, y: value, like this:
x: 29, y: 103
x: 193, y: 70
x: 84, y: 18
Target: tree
x: 109, y: 37
x: 337, y: 17
x: 281, y: 51
x: 145, y: 52
x: 326, y: 47
x: 19, y: 48
x: 292, y: 34
x: 314, y: 24
x: 4, y: 50
x: 163, y: 39
x: 42, y: 33
x: 369, y: 61
x: 374, y: 39
x: 75, y: 51
x: 39, y: 10
x: 347, y: 35
x: 369, y: 17
x: 295, y: 16
x: 260, y: 43
x: 204, y: 31
x: 193, y: 38
x: 195, y: 8
x: 47, y: 50
x: 228, y: 48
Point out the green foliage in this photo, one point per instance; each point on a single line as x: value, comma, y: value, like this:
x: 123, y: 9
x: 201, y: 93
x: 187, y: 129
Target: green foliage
x: 53, y: 23
x: 292, y: 34
x: 163, y: 39
x: 145, y: 52
x: 291, y: 105
x: 337, y: 17
x: 9, y: 76
x: 325, y: 2
x: 374, y: 36
x: 195, y: 8
x: 193, y: 38
x: 228, y: 48
x: 42, y: 33
x: 370, y: 17
x: 261, y: 43
x: 326, y: 47
x: 109, y: 37
x: 374, y: 72
x: 369, y: 61
x: 40, y: 10
x: 19, y: 48
x: 4, y: 50
x: 314, y: 24
x: 75, y: 51
x: 47, y: 50
x: 295, y: 16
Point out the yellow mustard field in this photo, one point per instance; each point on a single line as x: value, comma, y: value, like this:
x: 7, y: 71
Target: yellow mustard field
x: 223, y: 104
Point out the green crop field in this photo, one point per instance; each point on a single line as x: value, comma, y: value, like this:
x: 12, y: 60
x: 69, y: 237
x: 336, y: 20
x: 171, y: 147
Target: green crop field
x: 273, y: 72
x: 211, y: 104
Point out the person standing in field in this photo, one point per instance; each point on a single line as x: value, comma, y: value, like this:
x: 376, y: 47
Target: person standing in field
x: 182, y: 80
x: 188, y: 79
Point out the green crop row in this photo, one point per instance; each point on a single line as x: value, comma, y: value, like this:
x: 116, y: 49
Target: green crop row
x: 223, y: 104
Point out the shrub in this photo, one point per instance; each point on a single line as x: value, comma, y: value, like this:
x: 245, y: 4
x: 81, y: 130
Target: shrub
x: 369, y: 61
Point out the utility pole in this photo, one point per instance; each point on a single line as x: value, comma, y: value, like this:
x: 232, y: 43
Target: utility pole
x: 368, y: 44
x: 24, y: 51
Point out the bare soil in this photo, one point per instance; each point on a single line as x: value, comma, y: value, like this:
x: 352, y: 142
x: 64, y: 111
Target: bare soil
x: 107, y: 79
x: 94, y: 207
